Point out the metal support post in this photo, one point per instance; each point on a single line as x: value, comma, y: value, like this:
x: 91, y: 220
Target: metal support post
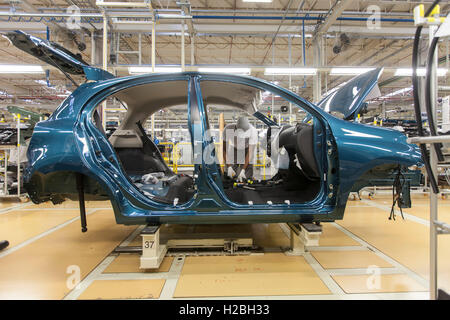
x: 317, y: 84
x: 192, y: 50
x: 182, y: 47
x: 290, y: 77
x: 433, y: 196
x: 140, y: 48
x: 446, y: 114
x: 153, y: 47
x: 105, y: 62
x: 5, y: 179
x: 93, y: 47
x: 153, y: 68
x: 436, y: 227
x: 117, y: 37
x: 18, y: 155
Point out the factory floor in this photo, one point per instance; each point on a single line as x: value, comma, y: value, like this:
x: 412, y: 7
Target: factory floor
x: 364, y: 256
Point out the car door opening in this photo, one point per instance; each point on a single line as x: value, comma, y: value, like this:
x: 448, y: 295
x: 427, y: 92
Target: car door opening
x: 273, y: 164
x: 138, y: 151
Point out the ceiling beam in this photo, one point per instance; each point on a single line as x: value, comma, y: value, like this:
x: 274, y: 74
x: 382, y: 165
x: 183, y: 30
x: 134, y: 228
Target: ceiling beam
x: 29, y: 7
x: 332, y: 16
x: 235, y: 29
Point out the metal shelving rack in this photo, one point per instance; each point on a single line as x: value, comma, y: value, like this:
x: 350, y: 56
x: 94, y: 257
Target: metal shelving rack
x: 436, y: 227
x: 7, y: 151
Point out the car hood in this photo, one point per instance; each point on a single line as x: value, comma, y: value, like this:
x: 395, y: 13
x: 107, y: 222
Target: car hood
x: 350, y: 97
x: 56, y: 55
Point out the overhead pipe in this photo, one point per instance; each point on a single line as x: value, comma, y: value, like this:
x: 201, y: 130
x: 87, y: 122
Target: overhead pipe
x: 214, y: 17
x: 230, y: 11
x: 257, y: 35
x: 318, y: 12
x: 93, y: 15
x: 303, y: 51
x: 310, y: 18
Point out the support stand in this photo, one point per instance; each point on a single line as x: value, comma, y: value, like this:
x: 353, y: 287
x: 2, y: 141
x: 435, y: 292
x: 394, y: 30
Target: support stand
x: 189, y: 242
x: 80, y: 188
x: 304, y: 235
x: 152, y: 251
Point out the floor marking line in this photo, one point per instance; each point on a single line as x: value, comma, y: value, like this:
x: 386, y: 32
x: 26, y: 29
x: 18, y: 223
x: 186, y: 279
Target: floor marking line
x: 323, y: 274
x: 315, y: 265
x: 60, y: 209
x: 16, y: 207
x: 412, y: 295
x: 361, y: 271
x: 133, y: 276
x: 285, y: 228
x: 393, y: 262
x: 406, y: 215
x: 173, y: 276
x: 132, y: 236
x: 337, y: 248
x: 96, y: 273
x: 41, y: 235
x: 87, y: 281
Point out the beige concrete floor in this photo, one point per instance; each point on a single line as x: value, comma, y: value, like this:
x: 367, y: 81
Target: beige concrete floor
x: 363, y: 256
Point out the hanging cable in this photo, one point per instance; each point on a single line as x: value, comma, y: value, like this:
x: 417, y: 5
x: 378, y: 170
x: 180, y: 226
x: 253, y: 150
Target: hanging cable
x: 397, y: 194
x: 428, y: 96
x: 417, y: 109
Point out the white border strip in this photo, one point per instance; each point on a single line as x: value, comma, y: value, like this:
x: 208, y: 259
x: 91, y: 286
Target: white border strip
x: 393, y: 262
x: 16, y: 207
x: 397, y: 213
x: 41, y: 235
x: 172, y: 278
x: 95, y: 274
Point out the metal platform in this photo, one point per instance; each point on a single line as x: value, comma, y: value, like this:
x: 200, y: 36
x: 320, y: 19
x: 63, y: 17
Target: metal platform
x: 155, y: 246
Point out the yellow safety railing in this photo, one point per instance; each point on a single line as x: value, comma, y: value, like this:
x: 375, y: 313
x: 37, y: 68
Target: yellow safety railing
x: 172, y: 158
x: 166, y: 154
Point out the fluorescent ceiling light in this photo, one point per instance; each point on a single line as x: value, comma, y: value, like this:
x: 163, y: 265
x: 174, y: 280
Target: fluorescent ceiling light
x: 265, y: 1
x: 225, y: 70
x: 173, y: 16
x: 290, y: 71
x: 407, y: 72
x: 134, y: 22
x: 12, y: 68
x: 349, y: 71
x: 141, y: 70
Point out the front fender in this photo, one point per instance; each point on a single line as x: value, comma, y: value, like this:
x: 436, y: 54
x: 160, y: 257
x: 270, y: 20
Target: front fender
x: 362, y: 147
